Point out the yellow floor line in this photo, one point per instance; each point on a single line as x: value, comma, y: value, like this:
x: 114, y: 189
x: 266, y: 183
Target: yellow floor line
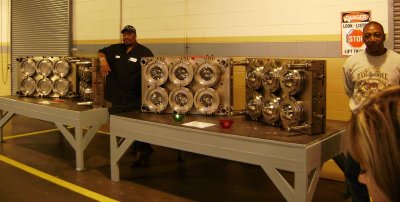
x: 29, y: 134
x: 102, y: 132
x: 55, y: 180
x: 44, y: 131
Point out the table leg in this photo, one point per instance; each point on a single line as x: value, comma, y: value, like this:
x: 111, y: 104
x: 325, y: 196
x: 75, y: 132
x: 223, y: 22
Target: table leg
x: 79, y: 141
x: 280, y: 182
x: 79, y: 149
x: 303, y: 191
x: 301, y: 186
x: 82, y: 141
x: 4, y: 119
x: 117, y: 149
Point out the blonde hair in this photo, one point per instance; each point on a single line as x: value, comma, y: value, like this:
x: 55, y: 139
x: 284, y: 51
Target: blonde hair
x: 373, y: 139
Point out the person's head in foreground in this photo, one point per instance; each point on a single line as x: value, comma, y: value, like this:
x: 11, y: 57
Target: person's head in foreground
x: 373, y: 139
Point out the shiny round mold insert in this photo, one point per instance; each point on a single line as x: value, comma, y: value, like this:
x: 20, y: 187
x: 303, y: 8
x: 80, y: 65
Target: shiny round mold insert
x: 292, y: 81
x: 206, y: 101
x: 61, y: 68
x: 156, y: 99
x: 291, y: 112
x: 181, y: 74
x: 156, y: 74
x: 254, y: 78
x: 207, y: 74
x: 61, y: 86
x: 28, y: 66
x: 44, y: 86
x: 28, y: 86
x: 181, y: 100
x: 271, y: 109
x: 254, y: 106
x: 44, y: 67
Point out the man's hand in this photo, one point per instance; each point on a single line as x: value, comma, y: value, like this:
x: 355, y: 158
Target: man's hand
x: 104, y: 67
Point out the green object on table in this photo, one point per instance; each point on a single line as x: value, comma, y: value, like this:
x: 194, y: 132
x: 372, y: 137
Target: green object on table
x: 178, y: 117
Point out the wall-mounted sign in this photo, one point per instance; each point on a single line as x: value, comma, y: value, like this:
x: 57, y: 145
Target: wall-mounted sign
x: 352, y: 26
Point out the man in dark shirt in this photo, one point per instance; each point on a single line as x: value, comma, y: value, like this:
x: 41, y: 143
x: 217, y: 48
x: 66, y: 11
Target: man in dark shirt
x: 120, y: 64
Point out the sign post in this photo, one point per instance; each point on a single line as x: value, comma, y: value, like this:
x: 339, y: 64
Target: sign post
x: 352, y: 25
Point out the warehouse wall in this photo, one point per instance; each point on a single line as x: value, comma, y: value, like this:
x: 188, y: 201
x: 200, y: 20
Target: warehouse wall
x: 261, y: 28
x: 5, y: 51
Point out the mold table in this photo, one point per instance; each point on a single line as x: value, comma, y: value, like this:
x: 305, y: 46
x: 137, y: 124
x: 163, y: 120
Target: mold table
x: 246, y: 141
x: 86, y: 120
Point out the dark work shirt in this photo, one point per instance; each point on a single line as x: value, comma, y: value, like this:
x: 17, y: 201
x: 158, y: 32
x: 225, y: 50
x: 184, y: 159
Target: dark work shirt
x: 123, y: 83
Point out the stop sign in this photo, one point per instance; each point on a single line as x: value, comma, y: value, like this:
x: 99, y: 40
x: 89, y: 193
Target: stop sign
x: 354, y: 38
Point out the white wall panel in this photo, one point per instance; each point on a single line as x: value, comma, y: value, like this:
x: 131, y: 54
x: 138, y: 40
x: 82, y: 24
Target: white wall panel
x: 96, y: 19
x: 167, y: 27
x: 155, y: 19
x: 286, y: 17
x: 148, y: 3
x: 99, y: 19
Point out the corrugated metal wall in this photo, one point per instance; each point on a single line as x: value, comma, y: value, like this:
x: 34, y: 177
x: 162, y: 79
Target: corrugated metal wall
x: 39, y: 28
x: 396, y: 25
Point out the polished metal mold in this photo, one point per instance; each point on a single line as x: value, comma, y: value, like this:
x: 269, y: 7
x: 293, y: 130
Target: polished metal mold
x: 207, y: 79
x: 293, y: 93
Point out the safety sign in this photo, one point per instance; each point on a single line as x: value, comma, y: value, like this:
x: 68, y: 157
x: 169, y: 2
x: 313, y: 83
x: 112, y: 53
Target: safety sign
x: 352, y: 25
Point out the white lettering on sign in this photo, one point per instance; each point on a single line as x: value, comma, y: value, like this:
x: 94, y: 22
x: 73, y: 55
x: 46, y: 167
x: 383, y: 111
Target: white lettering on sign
x: 355, y: 38
x: 356, y: 17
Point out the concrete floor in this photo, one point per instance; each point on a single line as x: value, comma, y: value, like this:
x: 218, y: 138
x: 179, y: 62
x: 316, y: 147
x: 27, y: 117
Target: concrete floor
x: 198, y: 178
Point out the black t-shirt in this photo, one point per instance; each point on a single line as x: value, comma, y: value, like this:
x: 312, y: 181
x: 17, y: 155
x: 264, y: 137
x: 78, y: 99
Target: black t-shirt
x: 123, y: 83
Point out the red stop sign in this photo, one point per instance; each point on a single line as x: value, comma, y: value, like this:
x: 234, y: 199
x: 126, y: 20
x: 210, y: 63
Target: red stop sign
x: 354, y: 38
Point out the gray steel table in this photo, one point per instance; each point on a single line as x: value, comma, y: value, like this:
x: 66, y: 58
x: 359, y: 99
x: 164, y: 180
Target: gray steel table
x: 246, y: 141
x: 86, y: 120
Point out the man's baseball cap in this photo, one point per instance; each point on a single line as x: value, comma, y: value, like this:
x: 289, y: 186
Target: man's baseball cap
x: 128, y: 28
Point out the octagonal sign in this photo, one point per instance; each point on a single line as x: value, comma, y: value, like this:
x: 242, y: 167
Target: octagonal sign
x: 354, y: 38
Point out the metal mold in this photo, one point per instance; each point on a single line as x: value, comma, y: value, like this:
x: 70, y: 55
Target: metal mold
x: 293, y: 93
x: 59, y: 76
x: 188, y: 76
